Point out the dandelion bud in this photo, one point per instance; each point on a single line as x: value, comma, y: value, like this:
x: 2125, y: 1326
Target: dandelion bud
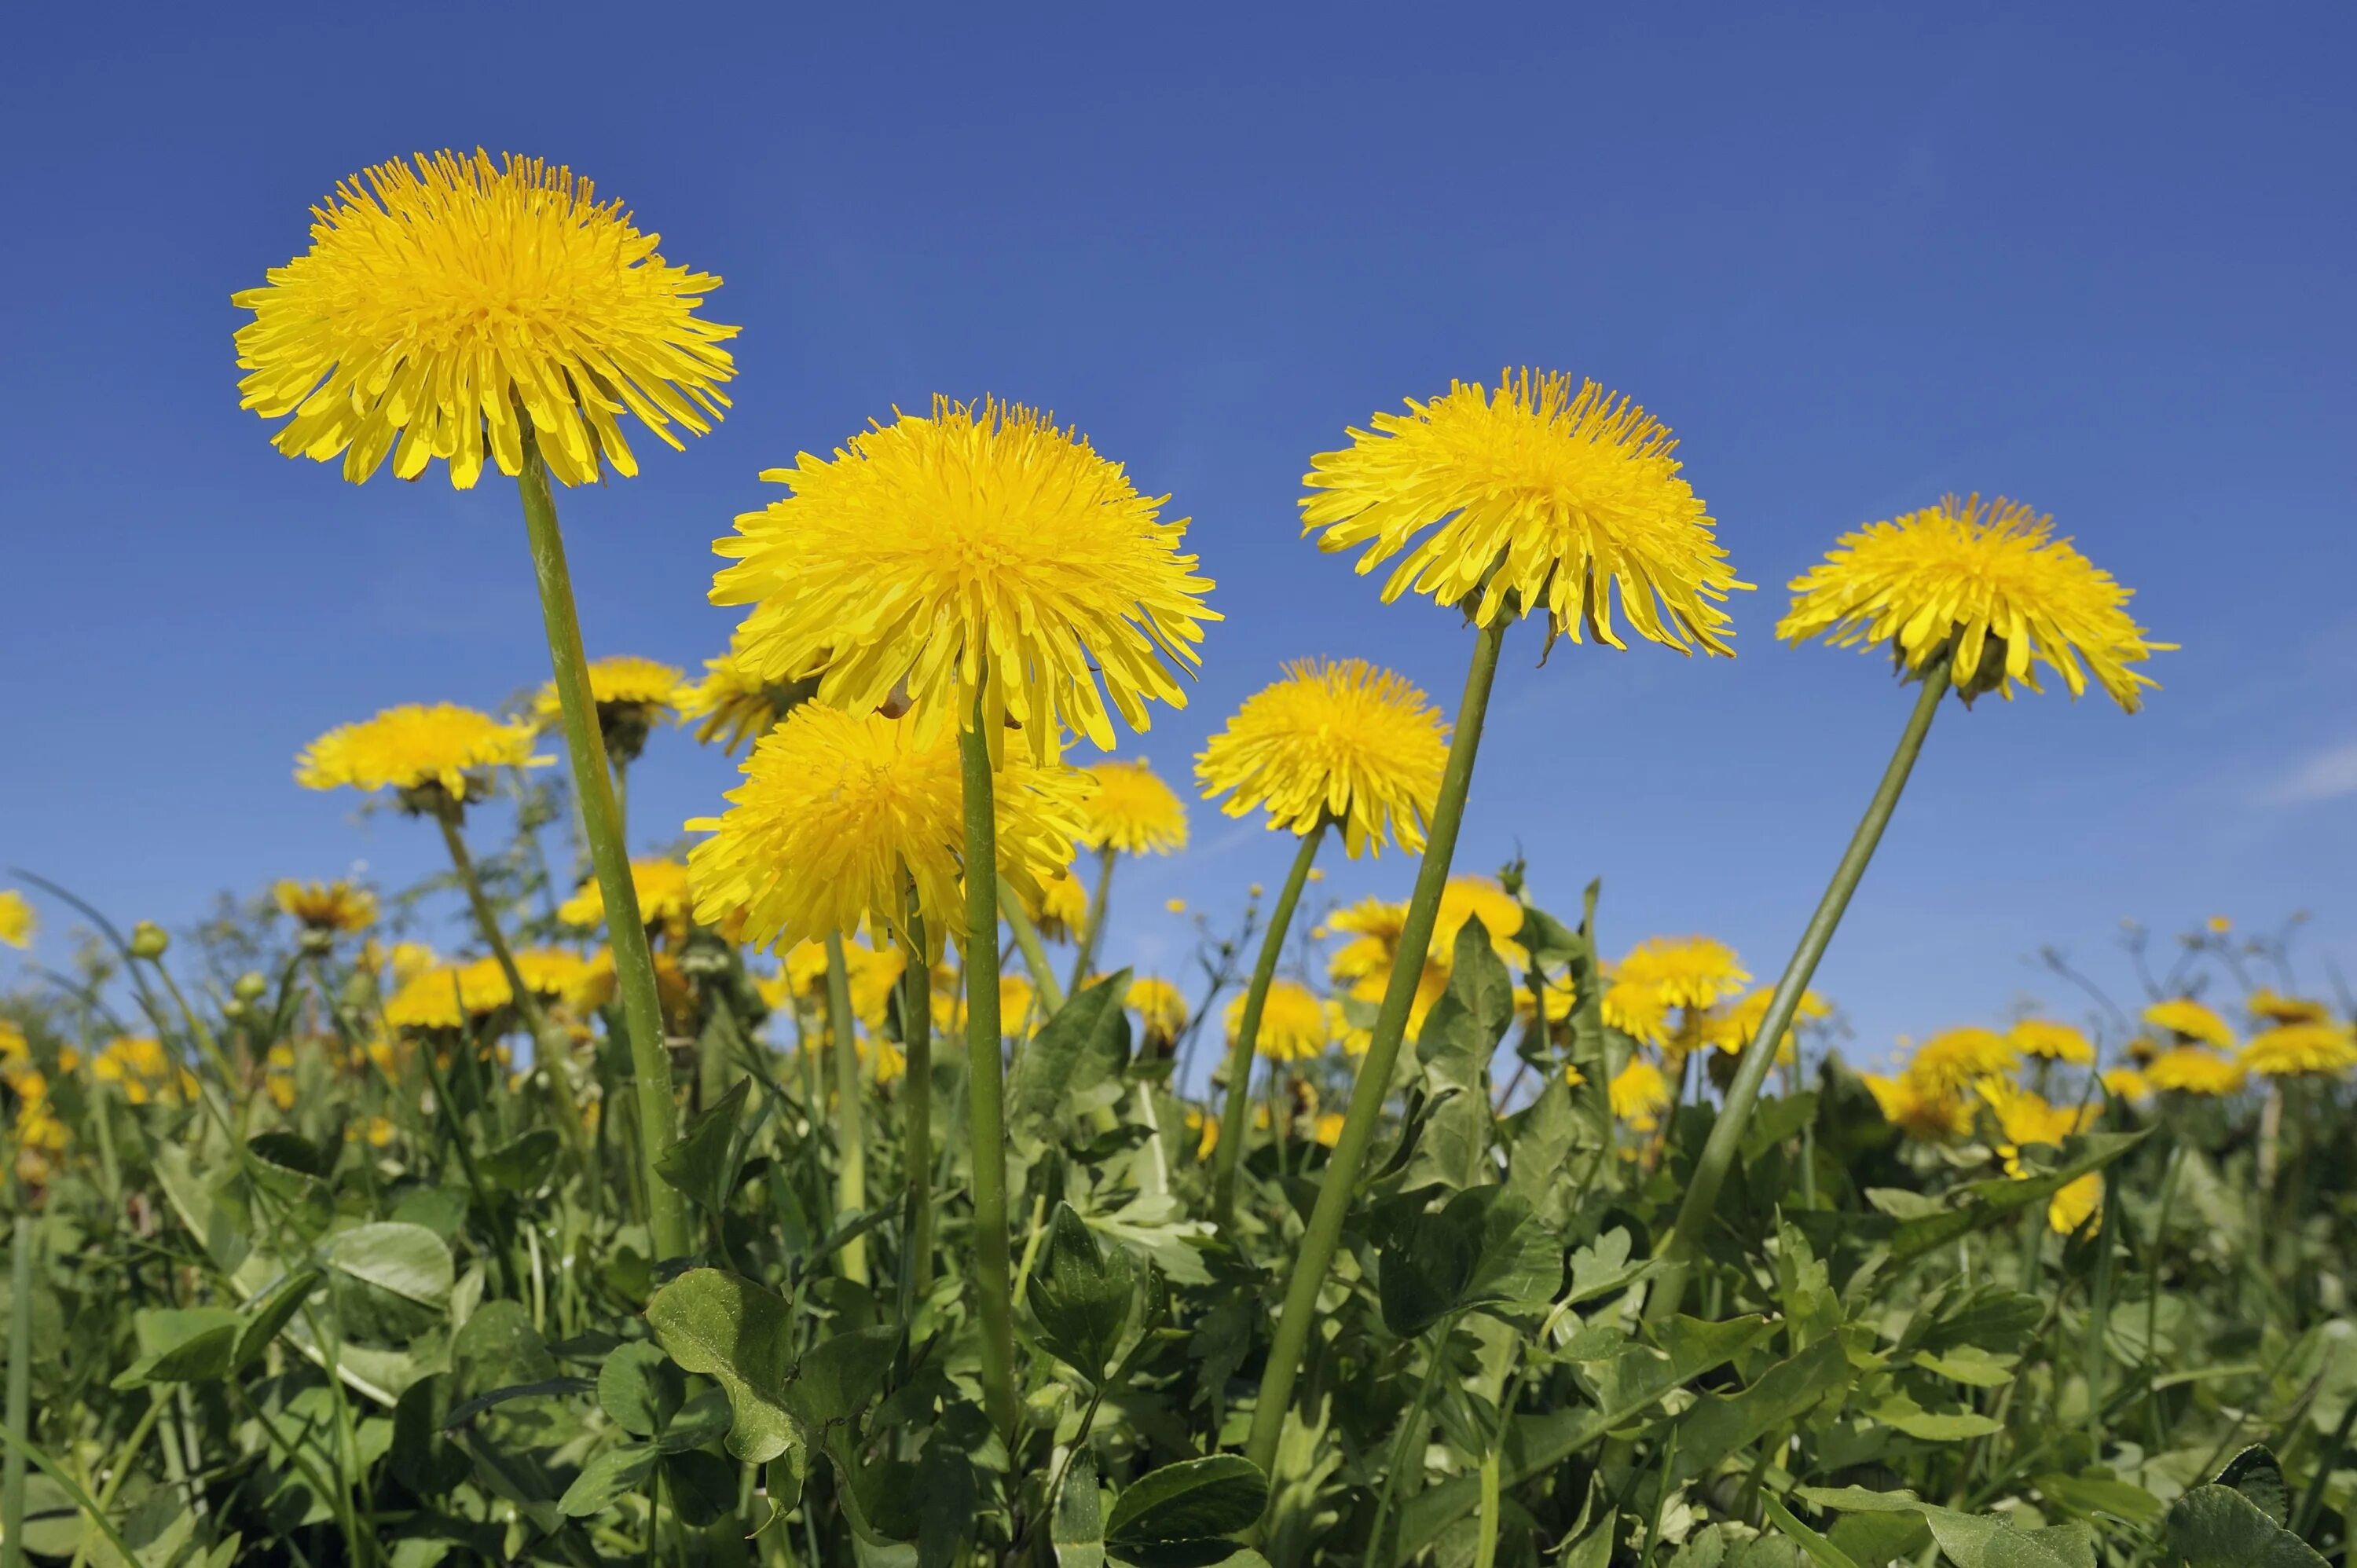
x: 149, y: 940
x: 251, y: 987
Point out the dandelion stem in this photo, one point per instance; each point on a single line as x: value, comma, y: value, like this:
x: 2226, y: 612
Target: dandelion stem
x: 1035, y: 957
x: 547, y: 1045
x: 1230, y: 1148
x: 634, y: 963
x: 850, y: 1120
x: 917, y: 1113
x: 20, y: 1385
x: 1372, y: 1086
x: 1726, y: 1132
x: 1091, y: 932
x: 986, y: 1083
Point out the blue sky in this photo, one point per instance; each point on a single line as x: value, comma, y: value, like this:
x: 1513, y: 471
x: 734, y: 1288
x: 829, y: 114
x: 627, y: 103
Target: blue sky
x: 2096, y: 258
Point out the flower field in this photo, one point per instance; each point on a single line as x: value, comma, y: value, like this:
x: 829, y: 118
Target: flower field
x: 819, y: 1195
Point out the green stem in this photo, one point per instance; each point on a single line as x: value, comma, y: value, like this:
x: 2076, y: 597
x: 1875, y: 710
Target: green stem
x: 634, y: 964
x: 20, y: 1387
x: 850, y: 1114
x: 1340, y: 1177
x: 1403, y: 1446
x: 1726, y: 1132
x: 1228, y: 1150
x: 917, y: 1117
x: 987, y: 1081
x: 1035, y: 957
x: 549, y: 1047
x: 1095, y: 928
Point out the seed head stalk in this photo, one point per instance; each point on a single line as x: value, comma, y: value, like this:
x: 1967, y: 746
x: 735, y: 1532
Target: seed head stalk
x: 1324, y: 1234
x: 634, y: 964
x: 985, y: 1076
x: 850, y: 1119
x: 1229, y: 1150
x: 1726, y: 1132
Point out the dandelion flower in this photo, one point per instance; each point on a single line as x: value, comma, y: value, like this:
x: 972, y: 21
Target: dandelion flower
x: 1295, y: 1024
x: 2269, y: 1006
x: 1158, y: 1005
x: 460, y: 304
x: 1684, y: 971
x: 1732, y: 1031
x: 327, y: 906
x: 445, y: 995
x: 1636, y: 1010
x: 979, y: 552
x: 1131, y: 810
x: 140, y: 1067
x: 734, y: 703
x: 1925, y: 1110
x: 1174, y: 906
x: 2076, y: 1204
x: 1640, y: 1094
x: 1993, y: 578
x: 1340, y: 740
x: 2050, y: 1041
x: 2293, y: 1049
x: 1462, y: 898
x: 663, y: 890
x: 433, y: 756
x: 2190, y: 1020
x: 632, y: 695
x: 840, y: 811
x: 17, y: 921
x: 1553, y: 494
x: 1062, y: 910
x: 2126, y: 1083
x: 1954, y: 1060
x: 2024, y: 1117
x: 2189, y: 1070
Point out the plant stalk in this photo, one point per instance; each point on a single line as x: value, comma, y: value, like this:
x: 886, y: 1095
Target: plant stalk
x: 1726, y: 1132
x: 1095, y: 928
x: 1229, y: 1151
x: 1336, y: 1185
x: 634, y: 964
x: 917, y: 1116
x: 987, y: 1081
x: 850, y: 1117
x: 1035, y: 957
x: 20, y: 1386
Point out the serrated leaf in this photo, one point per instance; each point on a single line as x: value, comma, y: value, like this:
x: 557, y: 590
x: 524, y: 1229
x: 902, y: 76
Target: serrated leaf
x: 1719, y: 1424
x: 523, y: 1166
x: 1074, y: 1062
x: 737, y: 1333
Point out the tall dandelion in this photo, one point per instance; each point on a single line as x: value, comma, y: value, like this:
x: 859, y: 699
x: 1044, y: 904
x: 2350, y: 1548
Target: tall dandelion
x: 1130, y: 811
x: 989, y: 573
x: 1335, y: 744
x: 1546, y: 496
x: 1965, y: 598
x: 457, y: 308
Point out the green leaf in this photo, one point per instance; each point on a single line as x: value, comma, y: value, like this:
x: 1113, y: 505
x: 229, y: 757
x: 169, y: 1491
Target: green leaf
x: 1520, y: 1263
x: 837, y: 1377
x: 1074, y: 1063
x: 702, y: 1163
x: 1195, y: 1500
x: 1820, y: 1551
x: 268, y: 1314
x: 1970, y: 1366
x: 608, y: 1477
x: 407, y: 1261
x: 640, y: 1389
x: 1081, y: 1295
x: 524, y: 1165
x: 702, y: 1486
x: 1603, y: 1266
x: 182, y: 1345
x: 2217, y: 1526
x: 2095, y: 1493
x: 1983, y: 1204
x: 1902, y: 1414
x: 2255, y: 1473
x: 426, y: 1462
x: 1078, y: 1530
x: 737, y: 1333
x: 498, y: 1348
x: 1970, y: 1541
x: 1719, y: 1424
x: 1424, y: 1265
x: 1461, y: 1032
x: 701, y: 1421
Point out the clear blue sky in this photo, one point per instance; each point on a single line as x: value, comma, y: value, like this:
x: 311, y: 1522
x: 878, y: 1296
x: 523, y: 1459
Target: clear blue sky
x: 2097, y: 258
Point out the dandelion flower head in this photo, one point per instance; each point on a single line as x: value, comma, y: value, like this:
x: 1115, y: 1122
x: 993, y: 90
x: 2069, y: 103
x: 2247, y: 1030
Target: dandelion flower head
x: 2052, y: 1041
x: 1063, y: 907
x: 327, y: 906
x: 1556, y: 493
x: 1158, y: 1005
x: 458, y: 306
x: 1295, y: 1024
x: 17, y: 922
x: 1993, y: 578
x: 2295, y: 1049
x: 2270, y: 1007
x: 735, y: 704
x: 2191, y: 1069
x: 978, y: 552
x: 618, y: 681
x: 1338, y: 740
x: 663, y: 890
x: 840, y: 811
x: 1954, y: 1060
x: 1131, y: 810
x: 1925, y: 1110
x: 1684, y: 971
x: 1638, y: 1094
x: 1732, y: 1029
x: 413, y: 749
x: 2192, y: 1020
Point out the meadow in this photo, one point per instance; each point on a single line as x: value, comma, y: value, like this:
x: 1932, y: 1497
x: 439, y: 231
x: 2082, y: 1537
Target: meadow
x: 814, y: 1195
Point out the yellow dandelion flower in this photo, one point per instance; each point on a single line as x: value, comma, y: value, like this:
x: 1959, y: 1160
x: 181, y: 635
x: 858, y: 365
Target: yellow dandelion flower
x: 2293, y: 1049
x: 839, y: 812
x: 2191, y: 1069
x: 2218, y: 924
x: 1553, y: 495
x: 1174, y: 906
x: 1559, y: 995
x: 140, y: 1067
x: 976, y: 554
x: 1062, y: 910
x: 663, y: 897
x: 2024, y: 1117
x: 1462, y: 898
x: 1640, y: 1094
x: 460, y: 304
x: 1996, y: 580
x: 1295, y: 1024
x: 2050, y: 1041
x: 413, y: 749
x: 1732, y: 1029
x: 1636, y: 1010
x: 410, y: 959
x: 2191, y: 1020
x: 1131, y: 810
x: 15, y: 1051
x: 870, y: 975
x: 1206, y: 1127
x: 1374, y: 926
x: 2126, y: 1083
x: 2273, y: 1007
x: 376, y: 1132
x: 17, y: 921
x: 1684, y: 971
x: 734, y: 703
x: 1927, y: 1112
x: 1158, y: 1005
x: 327, y: 906
x: 1340, y: 740
x: 1328, y: 1128
x: 2078, y: 1203
x: 590, y: 985
x: 1013, y: 1007
x: 618, y: 681
x: 1953, y: 1061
